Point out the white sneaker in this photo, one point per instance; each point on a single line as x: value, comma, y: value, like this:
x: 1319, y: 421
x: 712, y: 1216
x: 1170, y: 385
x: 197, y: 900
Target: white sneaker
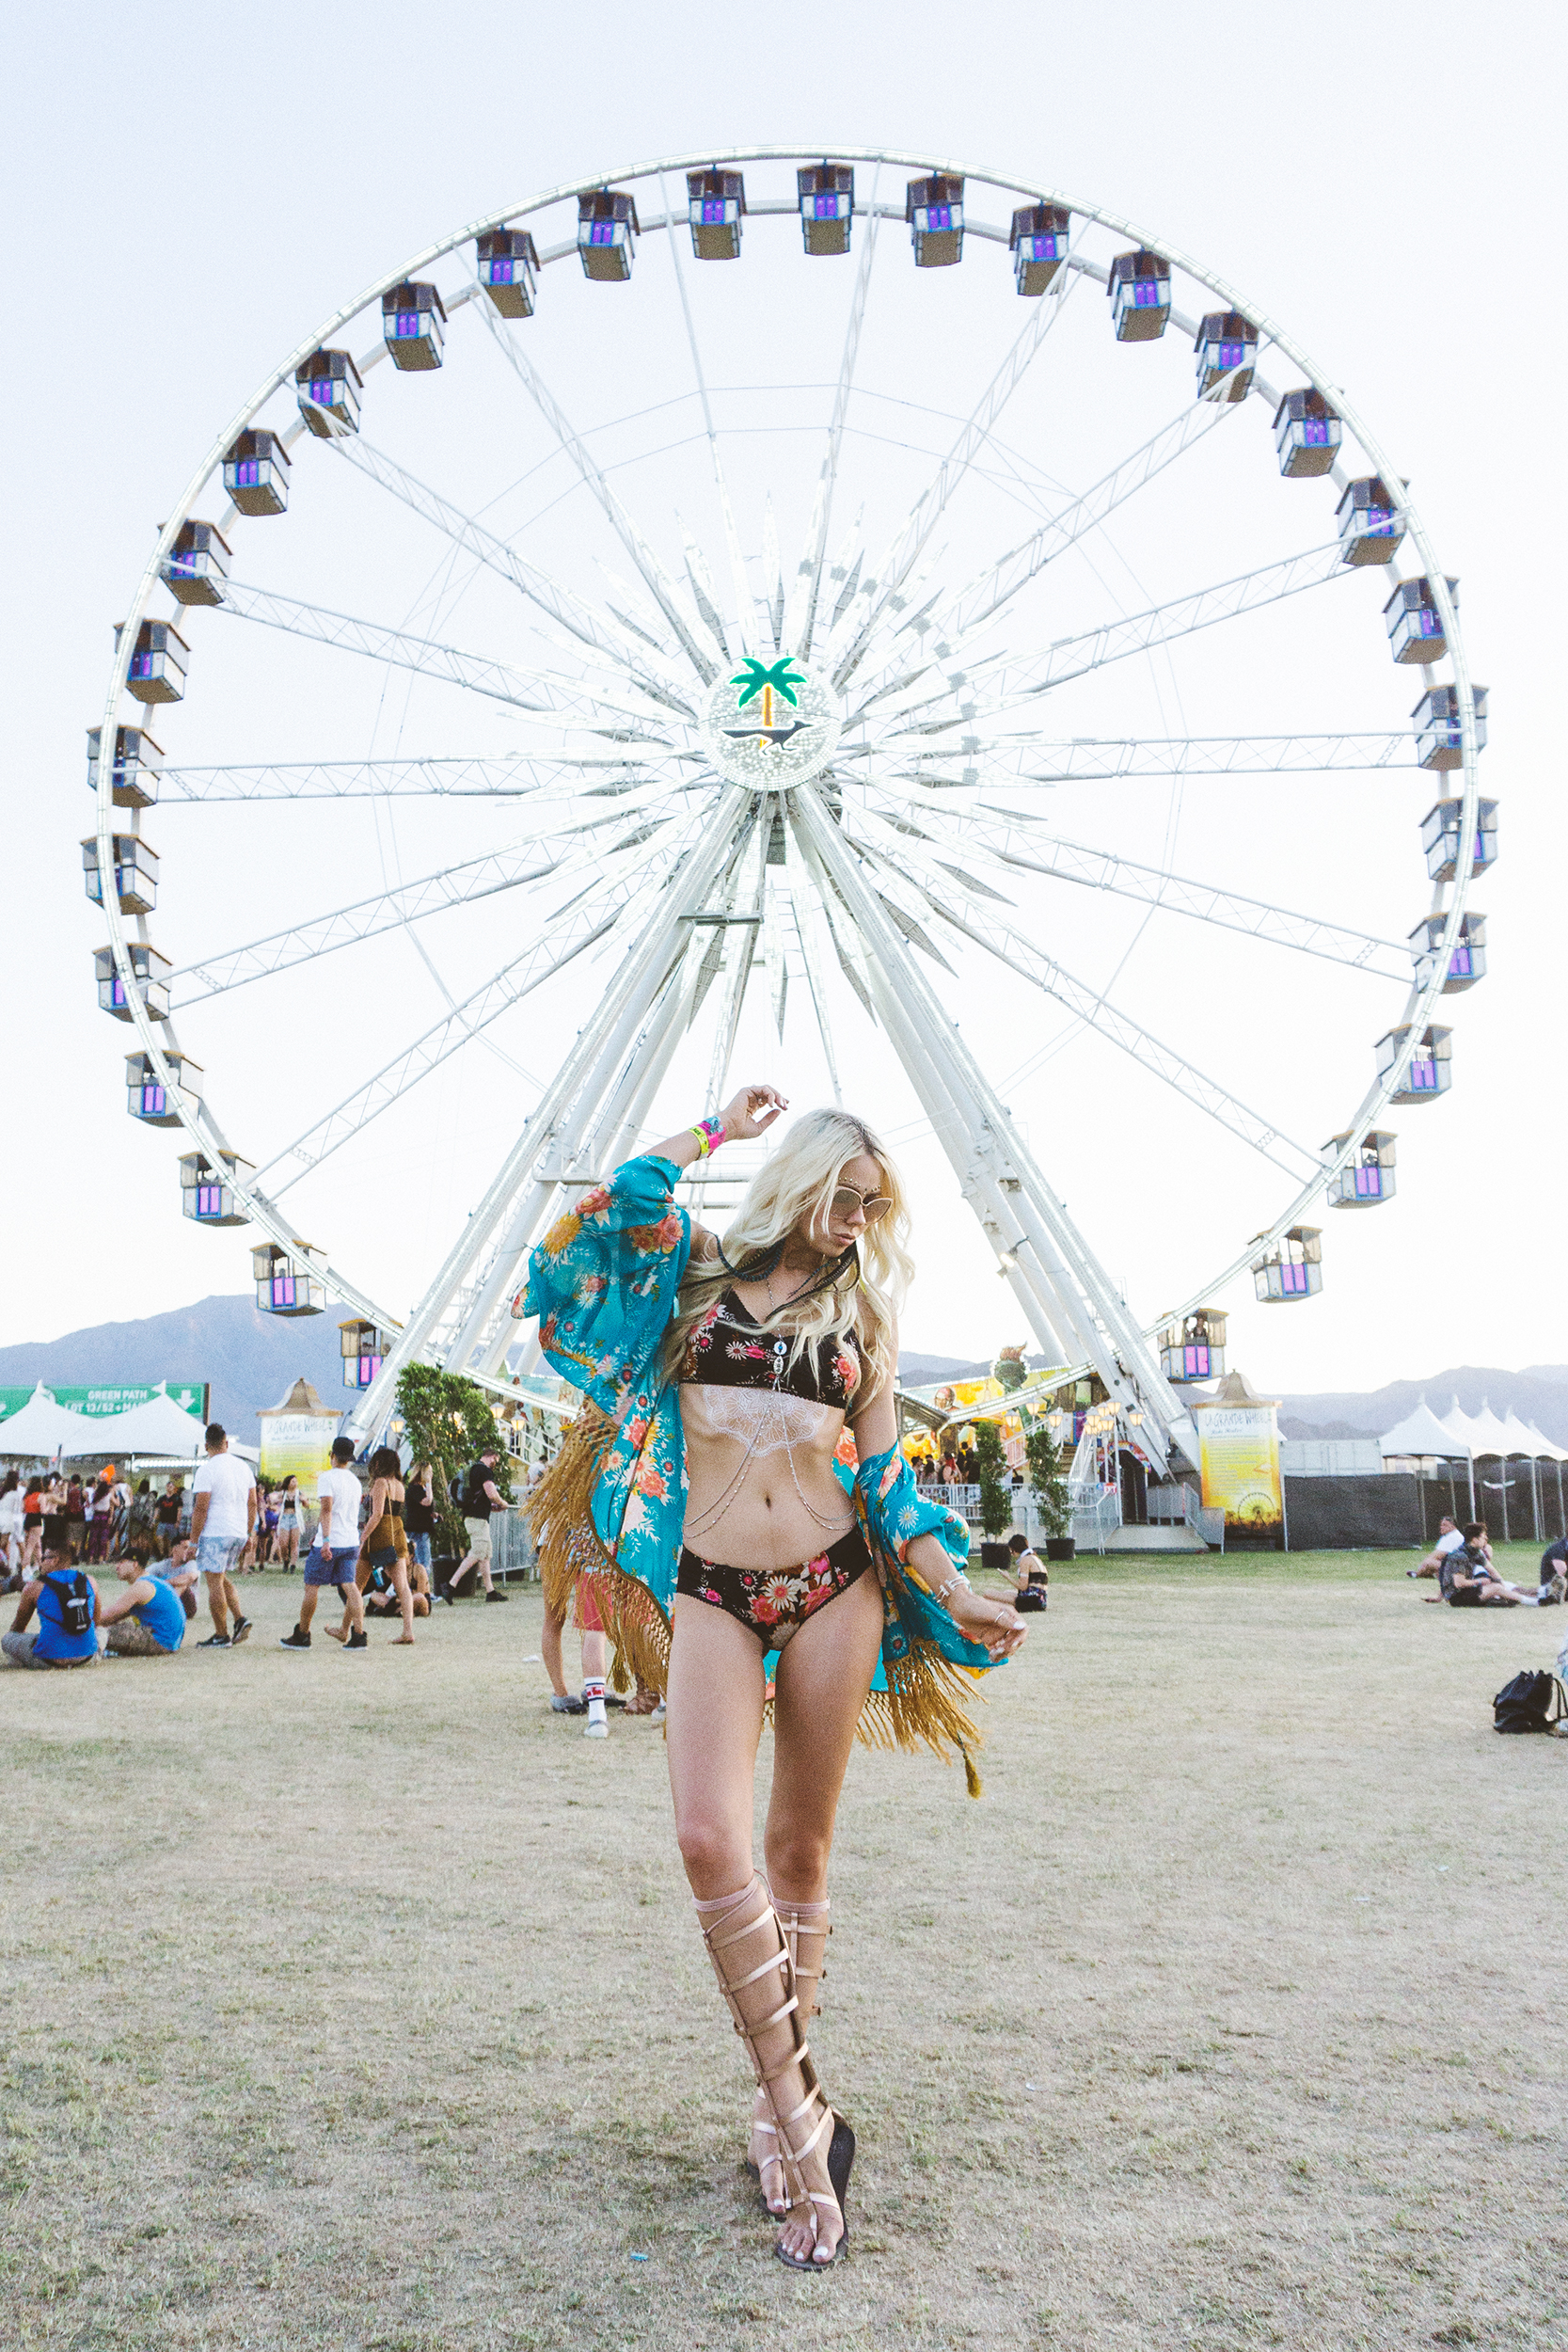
x: 595, y: 1731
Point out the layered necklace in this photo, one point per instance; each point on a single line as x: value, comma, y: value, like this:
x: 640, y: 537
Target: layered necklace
x: 761, y: 1416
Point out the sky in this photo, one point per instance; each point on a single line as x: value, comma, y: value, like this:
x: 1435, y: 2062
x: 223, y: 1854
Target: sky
x: 195, y: 191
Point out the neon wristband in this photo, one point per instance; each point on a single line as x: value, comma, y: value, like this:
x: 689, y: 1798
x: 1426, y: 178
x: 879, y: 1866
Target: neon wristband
x: 710, y: 1135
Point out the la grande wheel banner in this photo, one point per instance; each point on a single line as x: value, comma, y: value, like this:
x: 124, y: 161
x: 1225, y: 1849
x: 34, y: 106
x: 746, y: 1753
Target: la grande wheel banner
x: 1239, y: 1449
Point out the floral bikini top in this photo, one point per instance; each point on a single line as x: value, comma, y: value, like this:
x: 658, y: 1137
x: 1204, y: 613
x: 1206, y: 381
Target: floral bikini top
x: 727, y: 1350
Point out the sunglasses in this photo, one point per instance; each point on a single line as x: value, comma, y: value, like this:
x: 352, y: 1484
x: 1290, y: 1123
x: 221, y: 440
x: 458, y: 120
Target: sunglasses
x: 847, y: 1200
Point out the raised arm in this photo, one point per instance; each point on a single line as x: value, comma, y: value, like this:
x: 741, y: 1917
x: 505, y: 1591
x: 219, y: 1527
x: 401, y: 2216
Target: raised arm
x: 746, y: 1116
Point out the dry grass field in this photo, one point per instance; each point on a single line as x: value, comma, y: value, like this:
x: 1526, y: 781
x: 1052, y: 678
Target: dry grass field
x: 356, y: 2003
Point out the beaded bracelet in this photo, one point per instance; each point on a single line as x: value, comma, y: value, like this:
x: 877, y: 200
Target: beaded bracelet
x: 709, y: 1134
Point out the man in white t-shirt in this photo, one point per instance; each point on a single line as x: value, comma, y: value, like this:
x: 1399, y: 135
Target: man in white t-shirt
x: 335, y: 1553
x: 223, y: 1512
x: 1448, y: 1539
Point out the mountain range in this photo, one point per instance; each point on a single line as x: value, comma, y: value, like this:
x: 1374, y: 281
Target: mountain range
x: 253, y: 1360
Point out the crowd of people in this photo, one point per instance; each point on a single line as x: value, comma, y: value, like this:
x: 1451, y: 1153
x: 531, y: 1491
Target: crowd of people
x: 1461, y: 1561
x: 370, y: 1542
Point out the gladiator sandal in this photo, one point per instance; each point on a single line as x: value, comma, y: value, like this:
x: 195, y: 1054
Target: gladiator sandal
x: 806, y: 1931
x: 737, y: 1929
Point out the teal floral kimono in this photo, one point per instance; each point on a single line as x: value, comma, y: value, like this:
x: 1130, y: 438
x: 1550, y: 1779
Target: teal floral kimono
x: 611, y: 1507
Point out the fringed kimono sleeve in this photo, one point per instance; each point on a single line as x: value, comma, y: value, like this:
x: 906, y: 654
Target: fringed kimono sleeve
x: 928, y: 1665
x: 603, y: 1283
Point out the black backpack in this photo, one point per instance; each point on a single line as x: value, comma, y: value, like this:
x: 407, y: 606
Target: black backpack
x: 1531, y: 1702
x: 74, y: 1598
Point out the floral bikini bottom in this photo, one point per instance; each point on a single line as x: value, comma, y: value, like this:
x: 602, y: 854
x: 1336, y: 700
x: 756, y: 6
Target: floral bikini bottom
x: 770, y: 1600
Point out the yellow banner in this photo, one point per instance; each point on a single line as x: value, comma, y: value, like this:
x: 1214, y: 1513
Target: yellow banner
x: 1239, y: 1446
x: 296, y: 1445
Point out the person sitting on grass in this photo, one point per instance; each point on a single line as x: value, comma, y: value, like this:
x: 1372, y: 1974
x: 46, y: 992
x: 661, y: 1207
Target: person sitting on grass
x: 1033, y: 1577
x: 1467, y: 1579
x: 1448, y: 1539
x: 148, y: 1618
x: 1554, y: 1573
x: 65, y: 1601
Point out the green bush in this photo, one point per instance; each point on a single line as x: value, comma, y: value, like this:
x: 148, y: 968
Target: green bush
x: 995, y: 1480
x: 449, y: 1423
x: 1048, y: 1479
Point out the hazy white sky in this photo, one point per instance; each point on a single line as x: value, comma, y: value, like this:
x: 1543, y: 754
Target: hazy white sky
x: 192, y: 192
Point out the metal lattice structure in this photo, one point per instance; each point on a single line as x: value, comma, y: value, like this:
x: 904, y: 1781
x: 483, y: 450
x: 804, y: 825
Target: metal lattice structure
x: 832, y: 769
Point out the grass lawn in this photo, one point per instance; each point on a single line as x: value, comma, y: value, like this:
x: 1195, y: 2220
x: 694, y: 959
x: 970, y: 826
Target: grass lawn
x: 356, y: 2003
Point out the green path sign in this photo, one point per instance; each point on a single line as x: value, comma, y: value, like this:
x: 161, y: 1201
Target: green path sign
x: 190, y: 1395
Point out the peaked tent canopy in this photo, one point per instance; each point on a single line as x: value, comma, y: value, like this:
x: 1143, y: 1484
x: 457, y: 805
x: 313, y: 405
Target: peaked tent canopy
x: 42, y: 1428
x: 1422, y: 1432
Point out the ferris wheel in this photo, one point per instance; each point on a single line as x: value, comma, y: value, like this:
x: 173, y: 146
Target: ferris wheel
x: 870, y: 627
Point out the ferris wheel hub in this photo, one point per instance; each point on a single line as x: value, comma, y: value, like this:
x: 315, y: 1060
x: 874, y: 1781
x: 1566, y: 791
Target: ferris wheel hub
x: 770, y: 725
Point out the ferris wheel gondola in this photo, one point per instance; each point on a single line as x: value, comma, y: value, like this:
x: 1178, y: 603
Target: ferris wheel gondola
x: 810, y: 754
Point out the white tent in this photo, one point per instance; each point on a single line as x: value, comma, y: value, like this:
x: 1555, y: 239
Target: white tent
x: 1420, y: 1433
x: 40, y: 1430
x: 157, y: 1425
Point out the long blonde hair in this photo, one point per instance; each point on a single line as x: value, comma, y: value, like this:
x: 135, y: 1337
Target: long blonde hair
x: 793, y: 1190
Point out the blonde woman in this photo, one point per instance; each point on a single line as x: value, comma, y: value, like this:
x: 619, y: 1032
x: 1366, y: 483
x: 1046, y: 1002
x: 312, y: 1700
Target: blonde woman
x: 700, y: 1494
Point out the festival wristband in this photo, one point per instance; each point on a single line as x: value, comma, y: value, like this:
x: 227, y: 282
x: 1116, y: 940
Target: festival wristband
x: 709, y: 1134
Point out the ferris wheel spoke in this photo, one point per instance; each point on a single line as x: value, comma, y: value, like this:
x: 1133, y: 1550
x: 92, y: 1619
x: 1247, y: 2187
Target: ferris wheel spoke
x: 808, y: 937
x: 1090, y: 1005
x: 991, y: 833
x: 566, y: 610
x: 479, y: 673
x: 880, y: 594
x: 740, y: 585
x: 1016, y: 687
x: 558, y: 943
x: 808, y: 579
x: 655, y: 578
x: 1086, y: 759
x: 499, y: 871
x: 505, y: 776
x: 989, y: 590
x: 1162, y: 624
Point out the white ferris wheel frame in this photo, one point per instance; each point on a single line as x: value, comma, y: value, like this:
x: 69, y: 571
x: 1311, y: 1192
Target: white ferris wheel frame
x: 594, y: 1104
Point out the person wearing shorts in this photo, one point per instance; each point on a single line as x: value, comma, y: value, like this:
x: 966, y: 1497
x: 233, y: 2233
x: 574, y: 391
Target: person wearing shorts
x: 480, y: 1498
x: 223, y: 1512
x: 332, y: 1557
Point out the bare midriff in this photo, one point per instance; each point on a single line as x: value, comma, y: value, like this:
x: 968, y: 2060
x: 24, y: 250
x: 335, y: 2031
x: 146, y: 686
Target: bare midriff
x: 762, y: 1492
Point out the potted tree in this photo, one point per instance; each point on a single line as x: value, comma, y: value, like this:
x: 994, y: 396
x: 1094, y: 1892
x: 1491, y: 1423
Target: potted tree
x: 1047, y: 1483
x: 997, y: 1494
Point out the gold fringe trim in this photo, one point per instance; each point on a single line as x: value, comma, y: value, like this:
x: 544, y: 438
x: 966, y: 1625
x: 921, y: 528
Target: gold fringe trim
x: 926, y: 1704
x: 561, y: 1520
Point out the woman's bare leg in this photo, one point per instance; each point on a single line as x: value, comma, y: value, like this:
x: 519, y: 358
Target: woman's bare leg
x: 712, y: 1729
x: 405, y: 1600
x: 824, y: 1674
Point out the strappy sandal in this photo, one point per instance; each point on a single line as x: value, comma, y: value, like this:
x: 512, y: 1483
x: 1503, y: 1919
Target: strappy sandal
x: 805, y: 1928
x: 748, y: 1913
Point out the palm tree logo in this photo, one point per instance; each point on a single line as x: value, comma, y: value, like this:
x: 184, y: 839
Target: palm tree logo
x: 778, y: 677
x: 782, y: 677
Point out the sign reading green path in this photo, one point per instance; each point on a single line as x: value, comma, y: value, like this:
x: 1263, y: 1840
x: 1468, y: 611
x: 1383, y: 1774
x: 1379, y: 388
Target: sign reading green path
x: 98, y: 1401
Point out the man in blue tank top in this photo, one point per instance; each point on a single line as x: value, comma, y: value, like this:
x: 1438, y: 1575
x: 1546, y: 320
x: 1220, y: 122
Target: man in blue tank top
x: 148, y: 1618
x: 62, y: 1597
